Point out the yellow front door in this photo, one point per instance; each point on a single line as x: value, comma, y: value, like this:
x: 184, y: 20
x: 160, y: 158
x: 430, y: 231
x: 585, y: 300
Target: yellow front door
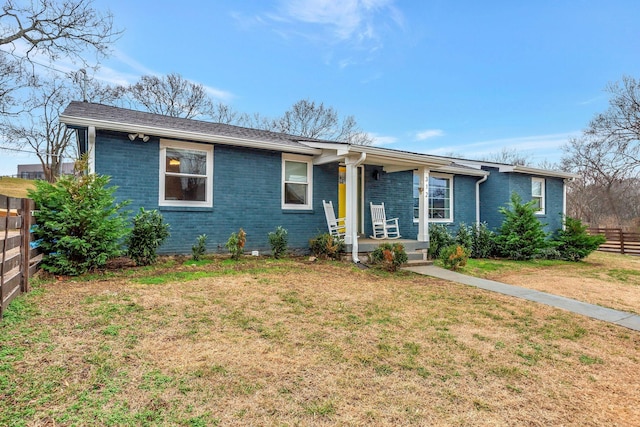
x: 342, y: 192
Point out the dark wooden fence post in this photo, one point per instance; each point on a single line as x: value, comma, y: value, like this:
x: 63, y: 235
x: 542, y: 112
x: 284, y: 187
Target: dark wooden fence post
x: 4, y: 255
x: 25, y: 234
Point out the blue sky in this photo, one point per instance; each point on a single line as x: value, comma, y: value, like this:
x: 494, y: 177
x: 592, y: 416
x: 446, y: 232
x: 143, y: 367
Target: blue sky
x: 439, y: 77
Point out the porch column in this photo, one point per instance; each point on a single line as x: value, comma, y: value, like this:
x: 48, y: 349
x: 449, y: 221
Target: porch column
x: 423, y: 205
x: 351, y: 218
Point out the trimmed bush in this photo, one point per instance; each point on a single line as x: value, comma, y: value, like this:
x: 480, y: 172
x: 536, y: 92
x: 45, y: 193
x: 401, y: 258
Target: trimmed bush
x: 574, y: 243
x: 148, y: 233
x: 521, y: 235
x: 235, y: 244
x: 454, y: 257
x: 80, y: 226
x: 278, y: 240
x: 483, y: 243
x: 464, y: 236
x: 439, y: 238
x: 326, y: 246
x: 389, y: 256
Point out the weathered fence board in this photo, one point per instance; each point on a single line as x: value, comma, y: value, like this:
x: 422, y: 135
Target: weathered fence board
x: 618, y: 241
x: 18, y: 260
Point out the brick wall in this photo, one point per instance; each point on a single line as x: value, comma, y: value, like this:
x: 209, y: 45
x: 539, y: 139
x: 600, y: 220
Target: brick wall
x: 246, y: 193
x: 496, y: 192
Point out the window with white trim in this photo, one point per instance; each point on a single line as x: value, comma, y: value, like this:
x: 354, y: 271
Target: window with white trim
x: 186, y: 174
x: 537, y: 194
x: 297, y: 182
x: 440, y: 197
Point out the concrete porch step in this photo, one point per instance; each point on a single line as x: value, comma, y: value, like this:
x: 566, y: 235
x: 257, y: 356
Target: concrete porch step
x: 418, y: 263
x: 418, y: 258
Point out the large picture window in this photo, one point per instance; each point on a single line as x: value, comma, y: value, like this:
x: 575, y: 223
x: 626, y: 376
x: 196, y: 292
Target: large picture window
x: 186, y: 174
x: 537, y: 194
x: 297, y: 182
x: 440, y: 197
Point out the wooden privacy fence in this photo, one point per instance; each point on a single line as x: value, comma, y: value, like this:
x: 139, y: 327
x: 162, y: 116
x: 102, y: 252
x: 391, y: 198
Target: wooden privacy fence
x: 18, y: 260
x: 619, y: 241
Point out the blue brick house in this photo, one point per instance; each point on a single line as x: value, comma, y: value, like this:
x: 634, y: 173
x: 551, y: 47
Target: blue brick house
x: 211, y: 178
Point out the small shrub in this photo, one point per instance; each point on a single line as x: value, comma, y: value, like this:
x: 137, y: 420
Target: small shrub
x: 279, y: 240
x: 200, y: 248
x: 454, y: 257
x: 464, y: 236
x: 80, y: 226
x: 389, y: 256
x: 326, y: 246
x: 483, y: 243
x: 439, y: 237
x: 235, y: 244
x: 148, y: 233
x: 574, y: 243
x: 521, y: 235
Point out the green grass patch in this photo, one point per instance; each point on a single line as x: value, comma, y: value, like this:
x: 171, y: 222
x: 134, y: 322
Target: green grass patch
x: 630, y: 277
x: 590, y: 360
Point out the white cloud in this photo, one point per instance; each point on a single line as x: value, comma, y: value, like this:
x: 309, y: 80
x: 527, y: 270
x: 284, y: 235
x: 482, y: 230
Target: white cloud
x: 347, y: 20
x: 429, y: 133
x: 379, y: 140
x: 537, y: 146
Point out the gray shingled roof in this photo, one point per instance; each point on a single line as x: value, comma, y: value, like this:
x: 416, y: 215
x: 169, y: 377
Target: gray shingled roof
x: 91, y: 111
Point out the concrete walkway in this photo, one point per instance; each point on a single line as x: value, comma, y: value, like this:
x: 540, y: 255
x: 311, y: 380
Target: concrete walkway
x: 628, y: 320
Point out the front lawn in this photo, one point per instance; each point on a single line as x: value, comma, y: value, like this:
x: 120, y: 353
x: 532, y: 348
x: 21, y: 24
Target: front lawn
x: 264, y: 342
x: 606, y: 279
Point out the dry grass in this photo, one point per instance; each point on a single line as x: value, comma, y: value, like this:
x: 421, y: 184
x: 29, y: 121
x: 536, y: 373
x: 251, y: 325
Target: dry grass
x: 15, y: 187
x: 293, y: 343
x: 609, y: 280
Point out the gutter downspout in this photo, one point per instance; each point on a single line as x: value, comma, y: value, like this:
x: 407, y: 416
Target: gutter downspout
x: 478, y: 182
x: 91, y: 149
x: 354, y: 216
x: 564, y: 201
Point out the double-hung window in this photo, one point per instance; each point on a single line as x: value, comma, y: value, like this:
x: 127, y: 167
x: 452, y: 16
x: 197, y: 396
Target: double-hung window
x: 297, y: 182
x: 537, y: 194
x: 440, y: 197
x: 186, y: 174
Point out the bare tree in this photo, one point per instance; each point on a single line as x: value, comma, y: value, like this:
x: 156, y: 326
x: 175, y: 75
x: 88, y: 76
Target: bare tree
x: 38, y: 127
x: 173, y: 95
x: 313, y: 120
x: 51, y: 29
x: 510, y: 156
x: 603, y: 190
x: 607, y: 156
x: 619, y: 125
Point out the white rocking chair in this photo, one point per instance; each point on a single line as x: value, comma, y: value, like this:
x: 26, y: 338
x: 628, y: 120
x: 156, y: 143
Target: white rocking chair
x: 383, y: 228
x: 336, y: 226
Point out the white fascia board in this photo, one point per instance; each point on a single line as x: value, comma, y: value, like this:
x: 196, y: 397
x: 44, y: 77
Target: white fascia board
x: 391, y: 155
x: 536, y: 171
x: 461, y: 171
x: 186, y: 135
x: 381, y: 155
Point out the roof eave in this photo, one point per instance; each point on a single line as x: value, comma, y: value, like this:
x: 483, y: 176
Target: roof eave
x: 379, y: 153
x: 536, y: 171
x: 186, y: 135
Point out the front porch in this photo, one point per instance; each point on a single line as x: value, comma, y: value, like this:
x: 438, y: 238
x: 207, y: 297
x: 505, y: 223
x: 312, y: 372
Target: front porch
x: 416, y: 251
x: 366, y: 244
